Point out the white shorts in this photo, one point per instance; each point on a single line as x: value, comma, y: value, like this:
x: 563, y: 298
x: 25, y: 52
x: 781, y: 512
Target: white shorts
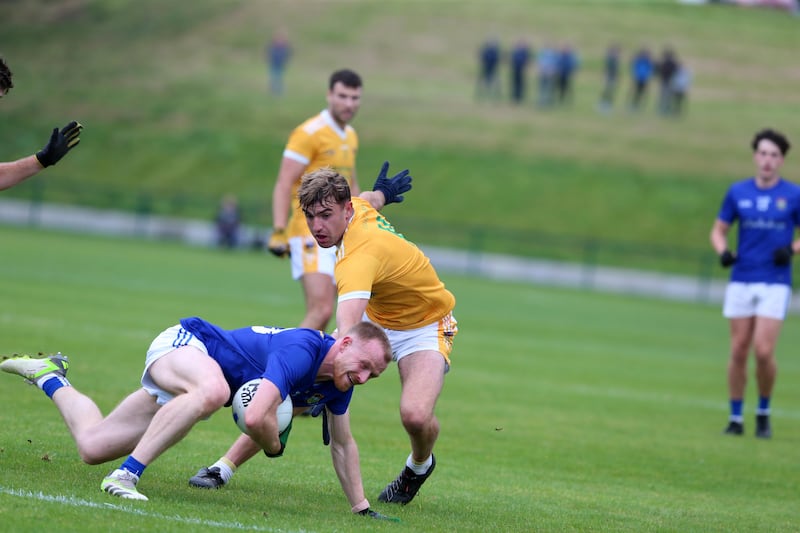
x: 308, y: 256
x: 770, y: 300
x: 436, y: 337
x: 167, y: 341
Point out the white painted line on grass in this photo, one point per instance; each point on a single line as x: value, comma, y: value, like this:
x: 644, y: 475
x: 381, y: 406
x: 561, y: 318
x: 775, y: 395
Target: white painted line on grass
x: 77, y: 502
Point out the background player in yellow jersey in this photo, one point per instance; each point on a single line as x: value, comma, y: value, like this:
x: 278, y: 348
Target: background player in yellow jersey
x: 326, y: 139
x: 387, y: 279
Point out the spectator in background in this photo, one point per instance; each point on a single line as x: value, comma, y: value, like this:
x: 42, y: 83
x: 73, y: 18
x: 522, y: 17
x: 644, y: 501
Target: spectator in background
x: 546, y: 69
x: 61, y: 142
x: 566, y: 66
x: 681, y: 81
x: 488, y: 81
x: 278, y: 53
x: 610, y: 78
x: 228, y: 221
x: 520, y: 58
x: 666, y: 69
x: 641, y: 72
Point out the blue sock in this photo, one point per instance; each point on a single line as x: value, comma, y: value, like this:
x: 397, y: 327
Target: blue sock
x: 736, y: 410
x: 52, y: 384
x: 763, y: 405
x: 133, y: 466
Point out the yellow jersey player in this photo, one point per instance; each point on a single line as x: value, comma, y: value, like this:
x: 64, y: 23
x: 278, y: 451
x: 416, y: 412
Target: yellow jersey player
x: 438, y: 338
x: 386, y: 279
x: 325, y: 140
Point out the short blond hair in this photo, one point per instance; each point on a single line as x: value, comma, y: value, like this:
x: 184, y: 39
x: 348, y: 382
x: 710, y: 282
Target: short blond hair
x: 323, y: 186
x: 368, y: 331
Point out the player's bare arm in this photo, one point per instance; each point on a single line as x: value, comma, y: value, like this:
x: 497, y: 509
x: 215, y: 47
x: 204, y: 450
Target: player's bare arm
x: 349, y: 313
x: 344, y: 453
x: 261, y: 416
x: 14, y: 172
x: 290, y: 173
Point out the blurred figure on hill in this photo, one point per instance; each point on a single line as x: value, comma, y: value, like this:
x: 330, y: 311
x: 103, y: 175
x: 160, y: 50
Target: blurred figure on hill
x: 767, y: 208
x: 641, y: 72
x: 60, y: 142
x: 326, y: 139
x: 546, y: 71
x: 278, y: 51
x: 566, y: 66
x: 228, y: 220
x: 610, y: 78
x: 680, y: 84
x: 666, y: 69
x: 520, y: 59
x: 488, y: 79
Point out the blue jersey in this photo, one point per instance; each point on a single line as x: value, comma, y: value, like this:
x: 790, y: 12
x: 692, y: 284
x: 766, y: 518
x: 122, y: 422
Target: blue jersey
x: 289, y: 358
x: 767, y: 220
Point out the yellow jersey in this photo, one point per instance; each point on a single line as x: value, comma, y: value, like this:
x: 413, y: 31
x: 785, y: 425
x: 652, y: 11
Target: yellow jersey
x: 375, y: 262
x: 319, y: 142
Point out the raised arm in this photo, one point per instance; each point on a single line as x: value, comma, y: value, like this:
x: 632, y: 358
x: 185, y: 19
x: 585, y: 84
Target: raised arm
x: 387, y: 191
x: 61, y: 142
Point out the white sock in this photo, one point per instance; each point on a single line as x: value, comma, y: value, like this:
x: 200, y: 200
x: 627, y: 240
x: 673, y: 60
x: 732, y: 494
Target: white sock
x: 418, y: 468
x: 226, y: 468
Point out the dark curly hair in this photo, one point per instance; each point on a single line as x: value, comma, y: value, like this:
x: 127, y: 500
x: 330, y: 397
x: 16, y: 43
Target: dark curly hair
x: 5, y: 77
x: 776, y: 137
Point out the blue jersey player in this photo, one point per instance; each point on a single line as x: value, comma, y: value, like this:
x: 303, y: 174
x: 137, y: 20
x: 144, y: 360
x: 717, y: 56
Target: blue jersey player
x: 766, y: 208
x: 192, y: 370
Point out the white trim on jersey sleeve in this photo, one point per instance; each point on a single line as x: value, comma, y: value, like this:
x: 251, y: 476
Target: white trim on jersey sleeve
x: 355, y: 295
x: 294, y: 156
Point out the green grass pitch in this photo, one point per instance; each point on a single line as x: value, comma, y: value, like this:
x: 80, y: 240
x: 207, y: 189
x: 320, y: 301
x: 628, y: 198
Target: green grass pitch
x: 564, y: 410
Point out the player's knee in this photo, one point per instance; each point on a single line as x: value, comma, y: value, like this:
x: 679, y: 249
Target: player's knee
x: 92, y: 454
x: 213, y: 397
x: 415, y: 420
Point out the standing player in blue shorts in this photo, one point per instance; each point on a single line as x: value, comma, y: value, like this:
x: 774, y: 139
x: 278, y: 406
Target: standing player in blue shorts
x: 192, y: 370
x: 767, y: 208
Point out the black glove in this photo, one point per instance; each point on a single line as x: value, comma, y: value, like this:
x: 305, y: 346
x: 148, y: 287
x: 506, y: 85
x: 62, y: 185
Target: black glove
x: 283, y: 436
x: 59, y: 144
x: 394, y: 187
x: 726, y: 259
x: 783, y: 256
x: 378, y: 516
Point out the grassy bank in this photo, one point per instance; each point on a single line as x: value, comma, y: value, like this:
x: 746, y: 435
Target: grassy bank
x: 173, y: 97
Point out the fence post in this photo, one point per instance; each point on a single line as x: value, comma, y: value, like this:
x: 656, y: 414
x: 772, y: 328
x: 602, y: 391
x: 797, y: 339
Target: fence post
x: 144, y: 207
x: 589, y: 263
x: 475, y: 250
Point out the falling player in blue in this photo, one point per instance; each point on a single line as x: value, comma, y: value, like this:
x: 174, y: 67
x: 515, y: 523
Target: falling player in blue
x: 767, y: 208
x: 192, y: 370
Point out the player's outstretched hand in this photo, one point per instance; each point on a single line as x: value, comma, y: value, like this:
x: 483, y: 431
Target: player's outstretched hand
x: 278, y: 243
x: 394, y: 187
x: 60, y: 143
x: 783, y: 256
x: 378, y: 516
x: 726, y: 259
